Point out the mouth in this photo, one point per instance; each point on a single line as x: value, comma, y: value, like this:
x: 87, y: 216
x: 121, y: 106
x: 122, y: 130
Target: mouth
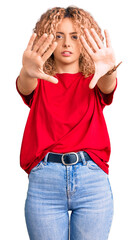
x: 66, y: 53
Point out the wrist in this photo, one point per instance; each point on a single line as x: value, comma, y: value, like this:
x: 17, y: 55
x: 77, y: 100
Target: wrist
x: 24, y: 74
x: 113, y: 69
x: 25, y: 83
x: 25, y: 77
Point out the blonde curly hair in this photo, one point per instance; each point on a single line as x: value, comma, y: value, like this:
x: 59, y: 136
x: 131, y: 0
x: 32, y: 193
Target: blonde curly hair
x: 48, y: 23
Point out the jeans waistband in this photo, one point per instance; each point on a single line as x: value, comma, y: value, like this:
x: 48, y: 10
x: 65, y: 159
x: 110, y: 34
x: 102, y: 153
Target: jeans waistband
x: 69, y: 158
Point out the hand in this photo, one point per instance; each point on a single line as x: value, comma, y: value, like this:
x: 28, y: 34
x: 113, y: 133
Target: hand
x: 102, y: 56
x: 35, y: 56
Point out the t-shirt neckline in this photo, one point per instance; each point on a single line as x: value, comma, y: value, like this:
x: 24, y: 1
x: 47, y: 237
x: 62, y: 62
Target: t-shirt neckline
x: 72, y: 74
x: 69, y: 75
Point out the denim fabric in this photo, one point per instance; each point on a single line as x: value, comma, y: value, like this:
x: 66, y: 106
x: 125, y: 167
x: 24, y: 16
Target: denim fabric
x: 82, y: 189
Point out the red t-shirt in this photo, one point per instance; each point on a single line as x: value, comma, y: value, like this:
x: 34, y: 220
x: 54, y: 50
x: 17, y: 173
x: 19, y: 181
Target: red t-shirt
x: 65, y: 117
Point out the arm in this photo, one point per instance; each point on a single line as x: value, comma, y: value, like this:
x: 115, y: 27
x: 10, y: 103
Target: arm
x: 107, y: 83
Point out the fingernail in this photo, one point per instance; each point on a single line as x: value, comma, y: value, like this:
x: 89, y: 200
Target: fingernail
x: 86, y: 30
x: 82, y: 38
x: 93, y: 30
x: 90, y: 86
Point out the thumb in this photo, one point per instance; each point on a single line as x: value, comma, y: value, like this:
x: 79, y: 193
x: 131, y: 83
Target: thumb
x: 47, y: 77
x: 94, y: 81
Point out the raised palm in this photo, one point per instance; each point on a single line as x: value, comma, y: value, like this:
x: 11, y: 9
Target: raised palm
x: 35, y: 56
x: 103, y: 56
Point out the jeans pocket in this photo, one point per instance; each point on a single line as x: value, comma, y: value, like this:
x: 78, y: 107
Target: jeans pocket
x: 92, y: 165
x: 39, y: 166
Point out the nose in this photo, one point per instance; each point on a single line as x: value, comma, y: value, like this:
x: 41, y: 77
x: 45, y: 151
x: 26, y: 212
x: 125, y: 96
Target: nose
x: 66, y: 45
x: 66, y: 42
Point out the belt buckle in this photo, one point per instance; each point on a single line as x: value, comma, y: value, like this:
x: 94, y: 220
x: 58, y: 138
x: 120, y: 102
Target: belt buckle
x: 62, y: 158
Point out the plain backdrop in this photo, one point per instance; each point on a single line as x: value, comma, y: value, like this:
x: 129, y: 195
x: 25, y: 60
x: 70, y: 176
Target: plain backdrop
x: 17, y: 20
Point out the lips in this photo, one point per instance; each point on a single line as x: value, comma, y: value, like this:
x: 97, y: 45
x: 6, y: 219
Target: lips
x: 68, y: 52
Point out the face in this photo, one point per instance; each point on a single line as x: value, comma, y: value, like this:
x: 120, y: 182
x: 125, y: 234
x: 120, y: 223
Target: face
x: 68, y: 49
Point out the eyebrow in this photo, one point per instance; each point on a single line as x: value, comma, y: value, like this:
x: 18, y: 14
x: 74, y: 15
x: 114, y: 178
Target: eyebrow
x: 69, y: 33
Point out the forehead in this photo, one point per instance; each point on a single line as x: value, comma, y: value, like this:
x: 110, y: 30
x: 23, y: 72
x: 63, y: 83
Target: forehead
x: 67, y: 25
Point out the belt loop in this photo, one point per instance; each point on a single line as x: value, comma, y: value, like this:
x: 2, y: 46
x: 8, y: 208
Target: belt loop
x: 46, y: 157
x: 83, y: 158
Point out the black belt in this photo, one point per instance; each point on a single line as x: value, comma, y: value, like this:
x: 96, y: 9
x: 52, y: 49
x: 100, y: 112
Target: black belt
x: 70, y: 158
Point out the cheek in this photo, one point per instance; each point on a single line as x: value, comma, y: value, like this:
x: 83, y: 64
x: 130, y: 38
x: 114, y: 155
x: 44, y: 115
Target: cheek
x: 78, y: 47
x: 78, y: 50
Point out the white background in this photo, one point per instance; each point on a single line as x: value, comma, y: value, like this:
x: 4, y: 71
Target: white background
x: 18, y: 18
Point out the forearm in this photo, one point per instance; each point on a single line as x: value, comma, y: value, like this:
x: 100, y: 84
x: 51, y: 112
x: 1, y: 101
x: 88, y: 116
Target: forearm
x: 26, y: 84
x: 107, y: 83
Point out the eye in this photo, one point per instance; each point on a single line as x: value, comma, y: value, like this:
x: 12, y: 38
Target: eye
x: 75, y: 37
x: 58, y: 36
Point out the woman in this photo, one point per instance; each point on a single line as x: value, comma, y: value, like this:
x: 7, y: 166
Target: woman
x: 67, y: 78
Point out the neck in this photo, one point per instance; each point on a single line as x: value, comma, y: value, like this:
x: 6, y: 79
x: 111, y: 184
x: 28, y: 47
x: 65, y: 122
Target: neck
x: 67, y: 68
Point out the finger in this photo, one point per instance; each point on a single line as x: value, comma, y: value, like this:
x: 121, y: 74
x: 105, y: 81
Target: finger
x: 47, y: 77
x: 107, y: 37
x: 91, y: 40
x: 86, y: 46
x: 97, y: 39
x: 39, y: 43
x: 45, y: 45
x: 31, y: 41
x: 47, y: 54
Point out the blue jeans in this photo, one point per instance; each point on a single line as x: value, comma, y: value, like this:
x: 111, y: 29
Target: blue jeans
x: 54, y: 189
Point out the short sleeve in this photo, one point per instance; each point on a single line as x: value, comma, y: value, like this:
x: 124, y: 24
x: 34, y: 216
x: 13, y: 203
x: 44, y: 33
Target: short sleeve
x: 28, y: 99
x: 105, y: 99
